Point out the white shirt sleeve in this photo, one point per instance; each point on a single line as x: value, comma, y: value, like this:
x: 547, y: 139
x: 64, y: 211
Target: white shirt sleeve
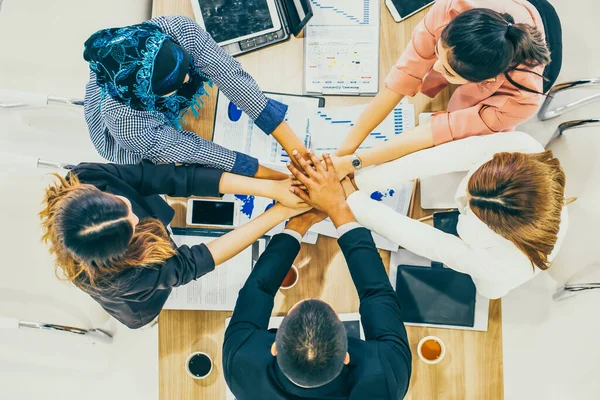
x: 343, y: 229
x: 416, y: 236
x: 293, y: 234
x: 458, y: 155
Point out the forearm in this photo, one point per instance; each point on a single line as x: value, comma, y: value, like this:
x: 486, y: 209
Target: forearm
x: 229, y: 245
x: 288, y: 140
x: 302, y: 223
x: 269, y: 173
x: 374, y: 114
x: 239, y: 184
x: 416, y: 139
x: 341, y: 215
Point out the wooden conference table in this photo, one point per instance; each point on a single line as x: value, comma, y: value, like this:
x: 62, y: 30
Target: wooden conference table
x: 472, y: 368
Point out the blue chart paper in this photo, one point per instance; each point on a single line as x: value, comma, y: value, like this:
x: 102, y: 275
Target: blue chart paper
x: 342, y: 12
x: 331, y: 126
x: 236, y: 131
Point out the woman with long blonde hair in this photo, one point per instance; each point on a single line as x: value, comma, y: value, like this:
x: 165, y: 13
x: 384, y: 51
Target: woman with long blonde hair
x: 512, y: 214
x: 106, y: 226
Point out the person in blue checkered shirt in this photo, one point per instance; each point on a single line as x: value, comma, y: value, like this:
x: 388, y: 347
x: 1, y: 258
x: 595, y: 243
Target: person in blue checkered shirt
x: 144, y: 78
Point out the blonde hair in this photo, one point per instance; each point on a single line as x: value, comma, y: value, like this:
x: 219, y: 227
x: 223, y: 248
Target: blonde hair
x: 520, y: 197
x: 74, y: 219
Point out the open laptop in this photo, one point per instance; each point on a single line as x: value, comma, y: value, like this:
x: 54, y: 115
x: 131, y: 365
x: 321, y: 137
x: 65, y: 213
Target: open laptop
x: 241, y: 26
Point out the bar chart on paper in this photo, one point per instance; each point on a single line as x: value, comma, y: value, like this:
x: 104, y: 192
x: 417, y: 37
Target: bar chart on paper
x: 331, y: 125
x: 341, y: 53
x: 343, y: 12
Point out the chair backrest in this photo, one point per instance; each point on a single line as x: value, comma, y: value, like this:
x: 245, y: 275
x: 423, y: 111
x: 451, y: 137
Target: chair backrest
x: 553, y: 32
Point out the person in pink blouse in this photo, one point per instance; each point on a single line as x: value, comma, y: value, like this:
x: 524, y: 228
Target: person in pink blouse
x: 497, y: 51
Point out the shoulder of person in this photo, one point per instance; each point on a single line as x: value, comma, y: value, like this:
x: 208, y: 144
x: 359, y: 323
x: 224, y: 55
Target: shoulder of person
x: 530, y: 78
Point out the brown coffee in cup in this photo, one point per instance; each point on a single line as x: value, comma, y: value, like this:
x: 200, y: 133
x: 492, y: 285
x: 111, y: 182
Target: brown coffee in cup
x: 291, y: 278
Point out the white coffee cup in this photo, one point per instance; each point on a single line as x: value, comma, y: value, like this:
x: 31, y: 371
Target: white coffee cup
x: 442, y: 350
x: 295, y: 269
x: 187, y: 365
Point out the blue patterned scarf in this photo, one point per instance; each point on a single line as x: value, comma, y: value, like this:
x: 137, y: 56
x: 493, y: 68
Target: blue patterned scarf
x: 125, y: 62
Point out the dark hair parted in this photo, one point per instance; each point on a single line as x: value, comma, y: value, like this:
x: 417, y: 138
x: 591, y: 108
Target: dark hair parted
x: 91, y: 237
x: 484, y: 44
x: 311, y: 344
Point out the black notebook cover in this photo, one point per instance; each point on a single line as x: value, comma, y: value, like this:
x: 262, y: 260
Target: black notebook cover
x: 435, y: 295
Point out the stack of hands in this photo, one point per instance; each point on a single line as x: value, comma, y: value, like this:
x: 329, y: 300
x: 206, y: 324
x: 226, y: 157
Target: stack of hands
x: 317, y: 185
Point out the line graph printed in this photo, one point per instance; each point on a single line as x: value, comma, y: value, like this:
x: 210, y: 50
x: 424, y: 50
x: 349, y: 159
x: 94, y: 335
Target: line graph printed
x: 343, y: 12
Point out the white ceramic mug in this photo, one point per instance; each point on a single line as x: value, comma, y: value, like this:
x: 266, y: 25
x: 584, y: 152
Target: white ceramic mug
x: 437, y: 340
x: 187, y: 365
x: 296, y: 281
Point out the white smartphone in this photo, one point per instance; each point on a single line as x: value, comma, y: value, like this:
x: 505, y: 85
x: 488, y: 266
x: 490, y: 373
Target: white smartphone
x: 231, y: 21
x: 402, y: 9
x: 217, y: 213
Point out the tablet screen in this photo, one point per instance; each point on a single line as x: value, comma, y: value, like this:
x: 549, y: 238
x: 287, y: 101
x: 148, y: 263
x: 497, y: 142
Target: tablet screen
x: 408, y: 7
x: 230, y: 20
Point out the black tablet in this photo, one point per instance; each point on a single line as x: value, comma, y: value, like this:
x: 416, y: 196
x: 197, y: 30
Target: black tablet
x: 402, y: 9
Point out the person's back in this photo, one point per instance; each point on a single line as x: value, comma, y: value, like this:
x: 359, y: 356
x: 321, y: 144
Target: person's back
x: 310, y: 355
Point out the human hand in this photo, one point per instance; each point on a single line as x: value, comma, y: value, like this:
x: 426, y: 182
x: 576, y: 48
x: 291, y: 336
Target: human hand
x: 343, y: 167
x: 281, y: 193
x: 287, y: 212
x: 303, y: 222
x: 323, y: 189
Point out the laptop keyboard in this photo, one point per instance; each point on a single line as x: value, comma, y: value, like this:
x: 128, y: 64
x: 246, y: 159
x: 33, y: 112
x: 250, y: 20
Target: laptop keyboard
x: 260, y: 40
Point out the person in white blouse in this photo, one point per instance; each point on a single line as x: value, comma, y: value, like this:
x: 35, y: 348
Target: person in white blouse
x: 512, y: 215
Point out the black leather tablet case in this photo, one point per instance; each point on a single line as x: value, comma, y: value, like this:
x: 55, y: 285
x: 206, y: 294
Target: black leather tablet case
x: 435, y: 295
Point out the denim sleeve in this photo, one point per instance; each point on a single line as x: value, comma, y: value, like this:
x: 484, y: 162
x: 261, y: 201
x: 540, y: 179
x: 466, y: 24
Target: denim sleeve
x: 271, y: 116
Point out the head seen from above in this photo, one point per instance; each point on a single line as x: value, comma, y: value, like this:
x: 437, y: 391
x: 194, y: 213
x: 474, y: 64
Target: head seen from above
x: 480, y: 44
x: 521, y: 197
x: 145, y: 69
x: 94, y: 234
x: 311, y: 345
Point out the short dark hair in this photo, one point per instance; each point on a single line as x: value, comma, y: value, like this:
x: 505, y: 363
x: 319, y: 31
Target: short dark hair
x: 311, y: 344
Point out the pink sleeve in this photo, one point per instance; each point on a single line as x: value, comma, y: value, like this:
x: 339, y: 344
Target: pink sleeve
x: 495, y: 114
x: 419, y: 56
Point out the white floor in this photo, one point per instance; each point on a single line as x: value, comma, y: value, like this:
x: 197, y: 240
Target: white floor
x: 42, y: 365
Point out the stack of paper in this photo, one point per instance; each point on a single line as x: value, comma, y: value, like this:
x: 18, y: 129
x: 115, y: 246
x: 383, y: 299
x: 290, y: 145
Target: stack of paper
x: 217, y: 290
x: 341, y: 48
x: 236, y: 131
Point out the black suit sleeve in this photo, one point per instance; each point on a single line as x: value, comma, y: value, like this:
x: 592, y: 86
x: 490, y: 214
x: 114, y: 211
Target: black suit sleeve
x: 255, y: 302
x: 148, y: 179
x: 188, y: 264
x: 379, y: 307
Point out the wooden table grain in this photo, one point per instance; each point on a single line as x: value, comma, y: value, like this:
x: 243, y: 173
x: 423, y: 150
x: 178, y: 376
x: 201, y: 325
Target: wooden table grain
x: 472, y: 368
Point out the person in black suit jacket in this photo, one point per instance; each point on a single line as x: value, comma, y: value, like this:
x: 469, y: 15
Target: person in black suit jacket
x: 106, y: 224
x: 310, y: 355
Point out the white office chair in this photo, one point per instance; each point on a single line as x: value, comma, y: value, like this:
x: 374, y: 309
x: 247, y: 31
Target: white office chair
x: 12, y: 99
x: 587, y: 278
x: 97, y: 335
x: 547, y: 113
